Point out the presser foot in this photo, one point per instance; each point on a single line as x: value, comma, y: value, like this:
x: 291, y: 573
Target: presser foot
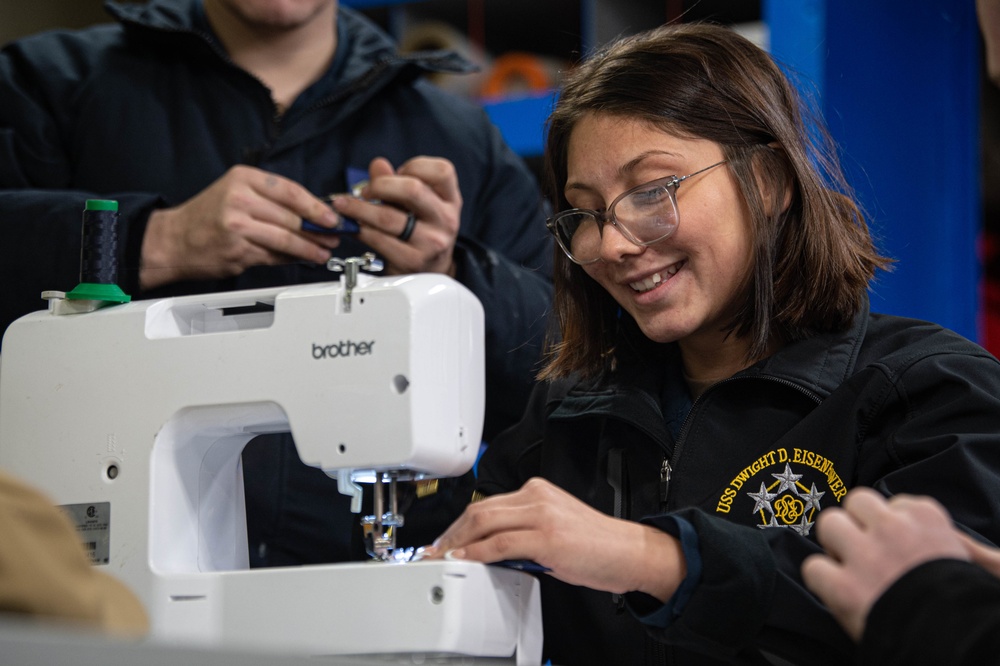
x: 380, y: 535
x: 379, y: 529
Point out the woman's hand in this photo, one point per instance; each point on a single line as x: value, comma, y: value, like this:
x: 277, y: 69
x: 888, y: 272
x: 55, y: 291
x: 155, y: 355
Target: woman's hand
x: 578, y: 544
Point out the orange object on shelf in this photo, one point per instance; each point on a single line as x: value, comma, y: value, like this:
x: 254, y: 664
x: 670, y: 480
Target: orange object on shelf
x: 516, y: 72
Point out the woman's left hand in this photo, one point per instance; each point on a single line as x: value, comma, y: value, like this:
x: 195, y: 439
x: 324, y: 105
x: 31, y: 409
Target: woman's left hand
x: 578, y: 544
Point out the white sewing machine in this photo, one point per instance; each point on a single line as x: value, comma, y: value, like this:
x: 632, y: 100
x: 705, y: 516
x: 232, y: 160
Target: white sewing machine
x: 133, y: 417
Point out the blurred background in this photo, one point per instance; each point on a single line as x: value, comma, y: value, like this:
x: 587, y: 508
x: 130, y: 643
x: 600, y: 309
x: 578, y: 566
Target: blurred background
x: 901, y: 84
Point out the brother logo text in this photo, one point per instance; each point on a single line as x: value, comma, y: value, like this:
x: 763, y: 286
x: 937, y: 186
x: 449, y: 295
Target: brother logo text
x: 343, y: 348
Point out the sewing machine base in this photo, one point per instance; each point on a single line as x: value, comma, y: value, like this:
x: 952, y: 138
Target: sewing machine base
x: 430, y: 608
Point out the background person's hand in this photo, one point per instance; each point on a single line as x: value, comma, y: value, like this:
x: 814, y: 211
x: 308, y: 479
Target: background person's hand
x: 870, y: 543
x: 427, y: 187
x: 248, y: 217
x: 988, y: 557
x: 578, y: 544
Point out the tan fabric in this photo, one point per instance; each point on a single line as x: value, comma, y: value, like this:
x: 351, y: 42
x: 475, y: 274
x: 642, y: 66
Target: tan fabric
x: 45, y: 571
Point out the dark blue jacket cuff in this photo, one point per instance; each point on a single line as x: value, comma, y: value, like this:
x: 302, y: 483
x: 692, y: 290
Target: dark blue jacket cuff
x: 649, y: 610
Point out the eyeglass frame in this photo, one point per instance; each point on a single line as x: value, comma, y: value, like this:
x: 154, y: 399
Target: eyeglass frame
x: 673, y: 182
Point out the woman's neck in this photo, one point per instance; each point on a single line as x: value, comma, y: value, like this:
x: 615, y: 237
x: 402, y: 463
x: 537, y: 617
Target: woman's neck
x: 706, y: 364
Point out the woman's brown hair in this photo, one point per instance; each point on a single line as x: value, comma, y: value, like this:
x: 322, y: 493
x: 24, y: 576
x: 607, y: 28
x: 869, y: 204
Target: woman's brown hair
x: 812, y: 260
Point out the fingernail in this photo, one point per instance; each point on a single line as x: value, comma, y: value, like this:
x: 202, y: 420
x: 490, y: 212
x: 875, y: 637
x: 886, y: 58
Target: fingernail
x: 330, y: 218
x: 455, y: 554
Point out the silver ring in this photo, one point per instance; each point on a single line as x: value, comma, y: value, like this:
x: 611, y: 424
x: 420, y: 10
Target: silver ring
x: 411, y: 223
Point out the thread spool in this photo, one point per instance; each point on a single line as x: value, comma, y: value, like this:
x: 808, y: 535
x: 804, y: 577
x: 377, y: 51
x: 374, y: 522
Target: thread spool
x: 98, y: 261
x: 99, y: 246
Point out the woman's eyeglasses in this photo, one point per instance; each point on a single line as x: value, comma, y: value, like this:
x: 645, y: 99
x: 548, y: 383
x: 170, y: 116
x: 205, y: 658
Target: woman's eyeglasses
x: 644, y: 215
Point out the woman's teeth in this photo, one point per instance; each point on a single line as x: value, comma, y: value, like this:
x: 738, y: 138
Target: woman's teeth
x: 653, y: 280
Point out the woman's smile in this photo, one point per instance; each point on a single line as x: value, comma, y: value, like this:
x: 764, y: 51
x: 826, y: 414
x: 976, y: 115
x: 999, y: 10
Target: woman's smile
x: 656, y: 279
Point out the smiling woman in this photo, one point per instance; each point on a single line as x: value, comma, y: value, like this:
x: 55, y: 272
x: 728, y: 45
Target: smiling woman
x: 686, y: 287
x: 671, y: 101
x: 718, y: 379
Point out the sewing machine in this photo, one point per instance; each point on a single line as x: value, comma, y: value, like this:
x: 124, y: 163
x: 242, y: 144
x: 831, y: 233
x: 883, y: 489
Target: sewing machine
x: 133, y: 418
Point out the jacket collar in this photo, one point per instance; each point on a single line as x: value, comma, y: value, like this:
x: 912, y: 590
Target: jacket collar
x: 818, y: 364
x: 821, y: 363
x: 371, y: 63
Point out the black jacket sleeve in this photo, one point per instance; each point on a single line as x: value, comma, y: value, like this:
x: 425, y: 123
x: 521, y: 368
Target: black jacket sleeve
x: 515, y: 455
x: 41, y: 207
x: 504, y: 256
x: 935, y: 433
x: 941, y: 612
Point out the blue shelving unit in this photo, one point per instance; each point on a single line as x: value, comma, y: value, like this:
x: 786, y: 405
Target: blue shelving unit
x: 522, y: 121
x: 899, y: 87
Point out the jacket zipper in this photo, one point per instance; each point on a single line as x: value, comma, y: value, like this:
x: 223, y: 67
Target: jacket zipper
x: 661, y: 653
x: 670, y: 461
x: 276, y: 111
x: 665, y: 472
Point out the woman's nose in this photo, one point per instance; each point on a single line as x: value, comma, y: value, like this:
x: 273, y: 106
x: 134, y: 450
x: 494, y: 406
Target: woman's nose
x: 615, y: 246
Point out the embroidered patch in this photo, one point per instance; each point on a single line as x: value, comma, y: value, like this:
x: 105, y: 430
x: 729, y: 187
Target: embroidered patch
x: 788, y: 497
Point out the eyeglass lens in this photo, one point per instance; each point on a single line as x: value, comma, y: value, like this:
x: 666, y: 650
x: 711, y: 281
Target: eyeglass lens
x: 644, y: 216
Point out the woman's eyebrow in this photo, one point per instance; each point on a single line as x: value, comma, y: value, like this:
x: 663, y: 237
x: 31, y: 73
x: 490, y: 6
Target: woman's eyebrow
x: 577, y: 186
x: 635, y: 161
x: 623, y: 170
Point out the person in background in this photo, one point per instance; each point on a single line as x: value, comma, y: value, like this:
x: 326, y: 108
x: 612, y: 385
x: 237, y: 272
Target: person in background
x: 221, y: 127
x: 719, y: 381
x: 988, y: 16
x: 906, y: 583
